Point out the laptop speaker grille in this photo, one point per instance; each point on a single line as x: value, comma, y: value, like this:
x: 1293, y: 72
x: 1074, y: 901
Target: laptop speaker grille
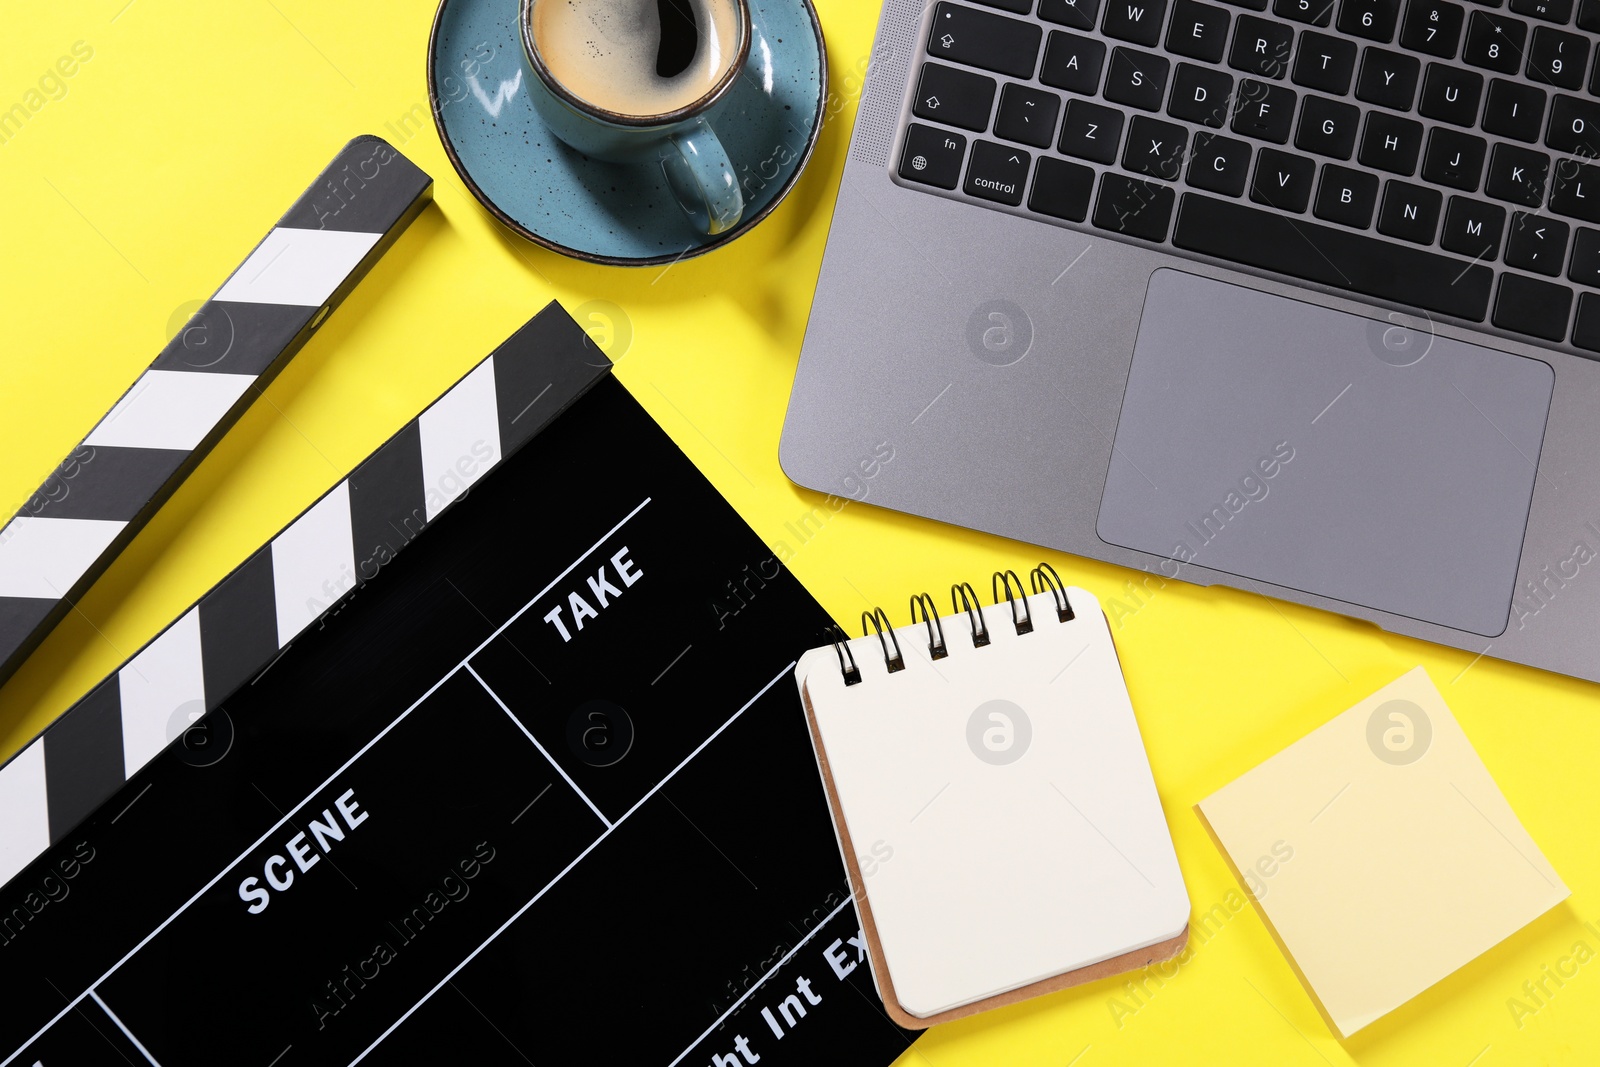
x: 886, y: 76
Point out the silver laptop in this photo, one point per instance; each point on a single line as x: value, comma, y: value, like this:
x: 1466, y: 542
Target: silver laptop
x: 1303, y: 300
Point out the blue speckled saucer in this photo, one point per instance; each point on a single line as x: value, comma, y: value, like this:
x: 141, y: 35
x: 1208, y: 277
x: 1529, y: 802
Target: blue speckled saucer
x: 609, y: 212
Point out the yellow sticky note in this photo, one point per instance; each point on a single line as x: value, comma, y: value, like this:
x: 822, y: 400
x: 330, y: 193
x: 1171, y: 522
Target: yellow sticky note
x: 1404, y: 860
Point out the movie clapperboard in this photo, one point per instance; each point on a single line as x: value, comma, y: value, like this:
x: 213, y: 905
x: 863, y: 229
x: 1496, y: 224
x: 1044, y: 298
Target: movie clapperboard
x: 501, y: 763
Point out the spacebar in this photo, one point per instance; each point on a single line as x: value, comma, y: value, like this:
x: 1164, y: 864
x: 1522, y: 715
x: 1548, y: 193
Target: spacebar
x: 1339, y: 258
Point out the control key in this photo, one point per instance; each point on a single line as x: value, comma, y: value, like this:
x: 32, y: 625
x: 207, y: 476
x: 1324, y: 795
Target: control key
x: 998, y: 173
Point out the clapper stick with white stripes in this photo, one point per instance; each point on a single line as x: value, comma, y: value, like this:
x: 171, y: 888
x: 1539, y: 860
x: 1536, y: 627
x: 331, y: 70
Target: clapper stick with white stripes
x: 114, y: 481
x: 343, y: 540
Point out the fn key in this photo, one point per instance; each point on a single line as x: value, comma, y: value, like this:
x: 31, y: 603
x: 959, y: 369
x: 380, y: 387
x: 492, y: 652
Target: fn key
x: 932, y: 157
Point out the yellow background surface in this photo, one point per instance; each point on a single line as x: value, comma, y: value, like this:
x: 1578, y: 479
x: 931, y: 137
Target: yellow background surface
x: 144, y: 178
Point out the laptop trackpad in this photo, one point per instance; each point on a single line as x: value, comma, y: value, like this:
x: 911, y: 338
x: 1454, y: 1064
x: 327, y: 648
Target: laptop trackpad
x: 1332, y: 454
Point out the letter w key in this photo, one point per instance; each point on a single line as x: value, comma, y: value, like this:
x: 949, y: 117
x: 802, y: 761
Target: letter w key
x: 1138, y: 21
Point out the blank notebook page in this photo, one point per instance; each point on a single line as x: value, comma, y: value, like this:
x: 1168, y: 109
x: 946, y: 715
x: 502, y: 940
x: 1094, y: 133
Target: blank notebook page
x: 1006, y: 797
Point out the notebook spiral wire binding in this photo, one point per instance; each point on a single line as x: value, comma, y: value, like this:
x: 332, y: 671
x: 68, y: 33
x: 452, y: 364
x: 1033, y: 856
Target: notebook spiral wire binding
x: 930, y: 615
x: 970, y: 603
x: 1045, y: 577
x: 963, y: 598
x: 879, y: 619
x: 841, y: 648
x: 1021, y: 617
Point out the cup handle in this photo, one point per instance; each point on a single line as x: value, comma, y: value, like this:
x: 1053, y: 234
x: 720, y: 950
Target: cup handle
x: 702, y: 179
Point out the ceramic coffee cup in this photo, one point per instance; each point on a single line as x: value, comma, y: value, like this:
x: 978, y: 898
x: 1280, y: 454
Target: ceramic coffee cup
x: 640, y: 81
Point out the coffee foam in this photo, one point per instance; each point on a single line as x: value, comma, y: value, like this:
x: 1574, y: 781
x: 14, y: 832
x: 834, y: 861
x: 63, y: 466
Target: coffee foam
x: 604, y: 52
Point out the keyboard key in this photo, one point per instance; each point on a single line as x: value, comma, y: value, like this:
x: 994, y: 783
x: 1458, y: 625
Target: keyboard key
x: 1517, y: 175
x: 1155, y: 148
x: 1346, y: 196
x: 1549, y: 10
x: 1020, y: 7
x: 1473, y: 228
x: 1090, y: 131
x: 1372, y: 19
x: 1586, y: 330
x: 1200, y: 94
x: 1451, y: 94
x: 1495, y: 42
x: 1134, y: 207
x: 957, y: 97
x: 1138, y: 21
x: 1589, y: 15
x: 1198, y: 31
x: 1574, y: 126
x: 1327, y: 127
x: 1387, y: 78
x: 1454, y: 159
x: 980, y: 39
x: 1263, y: 110
x: 1326, y: 63
x: 1409, y: 212
x: 1391, y: 143
x: 1557, y: 58
x: 1585, y: 266
x: 1432, y: 26
x: 1283, y: 181
x: 1261, y: 47
x: 1079, y: 14
x: 1575, y: 190
x: 1137, y: 79
x: 997, y: 172
x: 1350, y: 261
x: 932, y: 157
x: 1537, y: 243
x: 1527, y: 305
x: 1061, y: 189
x: 1219, y: 164
x: 1073, y: 63
x: 1027, y: 115
x: 1311, y: 12
x: 1514, y: 110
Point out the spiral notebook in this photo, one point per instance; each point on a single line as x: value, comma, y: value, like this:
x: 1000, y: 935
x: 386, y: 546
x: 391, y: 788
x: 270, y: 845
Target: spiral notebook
x: 993, y: 800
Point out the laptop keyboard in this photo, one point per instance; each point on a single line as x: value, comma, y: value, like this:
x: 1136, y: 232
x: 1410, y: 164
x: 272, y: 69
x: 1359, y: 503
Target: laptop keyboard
x: 1430, y: 153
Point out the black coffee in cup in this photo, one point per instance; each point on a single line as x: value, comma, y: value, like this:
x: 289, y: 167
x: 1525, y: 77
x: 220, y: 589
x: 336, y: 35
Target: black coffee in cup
x: 637, y: 58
